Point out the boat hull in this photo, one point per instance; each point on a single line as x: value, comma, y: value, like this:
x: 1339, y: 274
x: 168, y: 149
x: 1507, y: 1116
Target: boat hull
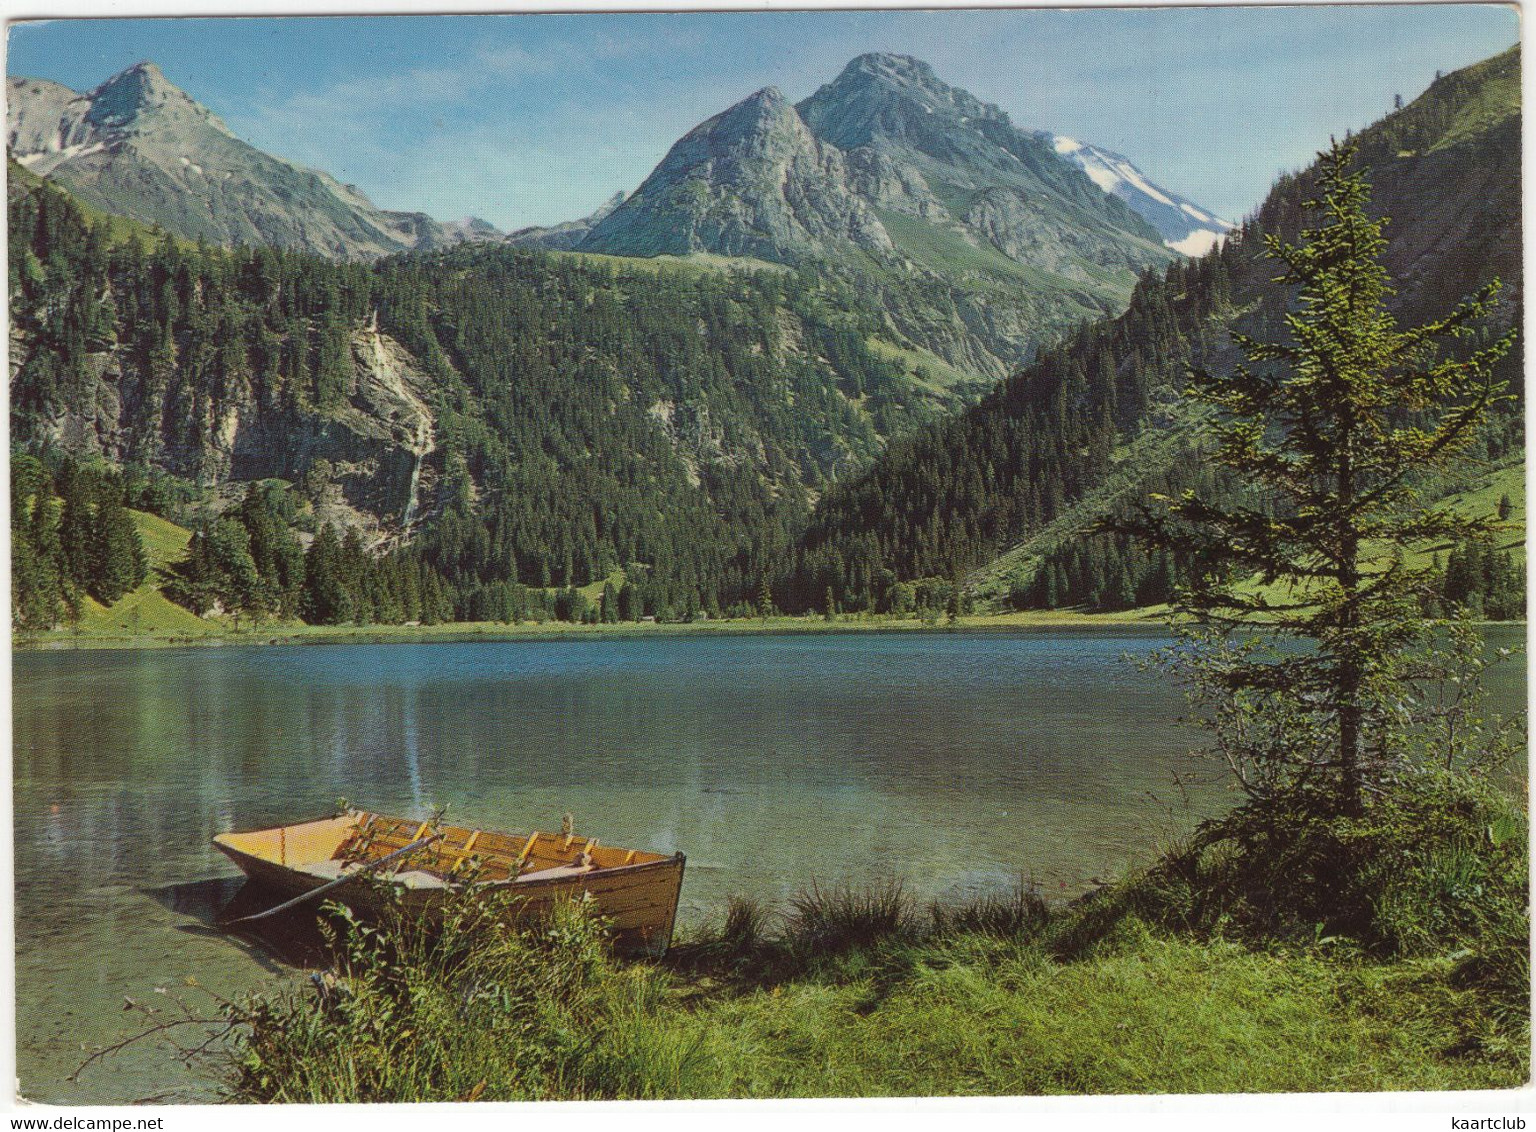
x: 639, y: 900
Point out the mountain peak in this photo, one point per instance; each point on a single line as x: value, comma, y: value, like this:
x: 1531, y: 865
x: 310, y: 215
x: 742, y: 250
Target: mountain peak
x: 131, y: 92
x: 751, y: 181
x: 763, y: 121
x: 907, y: 68
x: 147, y: 70
x: 768, y: 96
x: 761, y: 106
x: 139, y: 146
x: 892, y: 95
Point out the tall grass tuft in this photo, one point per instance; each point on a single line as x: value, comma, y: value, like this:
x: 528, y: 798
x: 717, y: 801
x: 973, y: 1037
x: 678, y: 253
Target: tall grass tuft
x: 1020, y: 913
x: 835, y: 921
x: 745, y: 923
x: 417, y: 1011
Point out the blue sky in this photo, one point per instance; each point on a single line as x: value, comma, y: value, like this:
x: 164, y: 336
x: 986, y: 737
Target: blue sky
x: 531, y: 119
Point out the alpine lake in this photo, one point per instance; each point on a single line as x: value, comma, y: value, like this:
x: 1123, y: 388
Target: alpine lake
x: 956, y: 762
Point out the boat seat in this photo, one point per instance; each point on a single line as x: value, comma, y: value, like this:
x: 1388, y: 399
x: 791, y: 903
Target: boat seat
x: 418, y: 878
x: 556, y: 871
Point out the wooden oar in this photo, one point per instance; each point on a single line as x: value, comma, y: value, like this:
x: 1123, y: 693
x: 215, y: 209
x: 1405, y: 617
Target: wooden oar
x: 324, y: 888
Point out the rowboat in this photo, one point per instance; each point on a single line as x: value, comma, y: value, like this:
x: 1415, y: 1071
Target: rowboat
x: 423, y: 863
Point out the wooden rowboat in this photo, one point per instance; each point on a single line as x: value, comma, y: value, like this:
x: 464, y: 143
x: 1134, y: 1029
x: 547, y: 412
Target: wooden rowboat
x: 637, y: 891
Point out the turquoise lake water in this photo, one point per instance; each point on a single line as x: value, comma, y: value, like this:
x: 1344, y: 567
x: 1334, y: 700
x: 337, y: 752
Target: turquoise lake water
x: 957, y: 762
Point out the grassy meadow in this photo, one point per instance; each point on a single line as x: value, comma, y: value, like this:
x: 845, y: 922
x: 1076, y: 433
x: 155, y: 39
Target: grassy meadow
x: 1175, y: 980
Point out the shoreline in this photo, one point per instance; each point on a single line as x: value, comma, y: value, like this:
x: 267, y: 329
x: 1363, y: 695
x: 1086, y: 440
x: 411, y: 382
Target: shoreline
x: 462, y: 632
x: 458, y: 632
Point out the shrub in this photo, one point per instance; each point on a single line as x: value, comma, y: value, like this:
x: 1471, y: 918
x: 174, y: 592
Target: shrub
x: 1436, y: 867
x: 418, y: 1011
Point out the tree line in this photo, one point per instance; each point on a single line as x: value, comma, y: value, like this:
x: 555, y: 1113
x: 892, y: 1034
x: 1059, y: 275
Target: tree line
x: 589, y: 419
x: 71, y: 537
x: 959, y: 492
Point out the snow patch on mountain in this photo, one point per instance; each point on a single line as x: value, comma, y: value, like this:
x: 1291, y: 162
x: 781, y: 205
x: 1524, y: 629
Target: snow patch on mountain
x: 1183, y: 227
x: 1136, y: 180
x: 1102, y: 177
x: 1197, y: 243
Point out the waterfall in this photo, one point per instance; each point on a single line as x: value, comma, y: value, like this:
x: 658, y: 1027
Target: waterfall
x: 409, y: 513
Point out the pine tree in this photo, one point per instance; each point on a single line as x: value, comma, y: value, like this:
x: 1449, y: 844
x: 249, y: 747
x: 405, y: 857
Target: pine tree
x: 77, y: 535
x: 37, y: 560
x: 631, y: 608
x: 119, y: 562
x: 1328, y: 425
x: 325, y: 599
x: 333, y: 362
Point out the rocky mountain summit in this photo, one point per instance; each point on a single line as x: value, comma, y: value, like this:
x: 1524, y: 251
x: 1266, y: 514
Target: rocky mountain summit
x: 979, y: 238
x: 788, y: 183
x: 139, y: 146
x: 751, y: 181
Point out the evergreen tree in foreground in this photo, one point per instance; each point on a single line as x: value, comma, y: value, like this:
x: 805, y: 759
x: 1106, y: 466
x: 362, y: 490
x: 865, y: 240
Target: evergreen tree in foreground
x: 1328, y: 427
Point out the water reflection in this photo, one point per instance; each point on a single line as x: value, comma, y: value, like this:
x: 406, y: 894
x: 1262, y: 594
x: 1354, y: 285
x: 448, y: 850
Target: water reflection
x: 957, y: 762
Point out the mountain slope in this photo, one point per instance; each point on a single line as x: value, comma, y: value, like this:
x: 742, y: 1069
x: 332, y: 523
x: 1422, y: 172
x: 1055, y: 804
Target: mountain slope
x: 1036, y: 458
x: 979, y: 241
x: 1183, y: 225
x: 140, y: 147
x: 751, y: 181
x: 564, y: 236
x: 511, y: 417
x: 937, y: 153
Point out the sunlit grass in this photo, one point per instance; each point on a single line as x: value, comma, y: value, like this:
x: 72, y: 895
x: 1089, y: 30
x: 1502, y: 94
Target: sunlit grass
x: 856, y: 994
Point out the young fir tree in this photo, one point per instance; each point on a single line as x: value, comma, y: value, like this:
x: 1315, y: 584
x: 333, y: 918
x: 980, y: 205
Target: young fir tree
x: 1328, y: 426
x: 325, y: 599
x: 120, y: 562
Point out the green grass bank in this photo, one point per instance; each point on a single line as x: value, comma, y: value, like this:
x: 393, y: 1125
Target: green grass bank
x: 1215, y: 970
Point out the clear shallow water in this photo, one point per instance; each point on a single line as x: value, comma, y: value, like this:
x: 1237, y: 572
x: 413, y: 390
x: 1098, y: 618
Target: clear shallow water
x: 957, y: 762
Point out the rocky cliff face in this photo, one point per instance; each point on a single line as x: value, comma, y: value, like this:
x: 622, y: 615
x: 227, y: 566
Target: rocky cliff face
x: 751, y: 181
x: 375, y: 450
x: 138, y: 146
x: 932, y: 150
x: 375, y: 446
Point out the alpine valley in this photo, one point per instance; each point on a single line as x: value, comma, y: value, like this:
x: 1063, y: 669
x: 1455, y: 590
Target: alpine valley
x: 878, y: 350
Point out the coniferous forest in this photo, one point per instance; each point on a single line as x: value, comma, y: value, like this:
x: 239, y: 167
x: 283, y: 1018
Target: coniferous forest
x: 588, y: 419
x: 696, y: 442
